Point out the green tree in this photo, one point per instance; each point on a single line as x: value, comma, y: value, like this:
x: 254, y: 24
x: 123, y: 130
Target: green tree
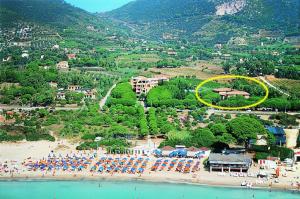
x: 218, y: 129
x: 244, y: 128
x: 203, y: 137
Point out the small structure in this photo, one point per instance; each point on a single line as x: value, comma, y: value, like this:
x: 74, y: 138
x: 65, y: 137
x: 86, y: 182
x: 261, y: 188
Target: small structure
x: 142, y: 85
x: 167, y: 150
x: 172, y: 53
x: 261, y: 140
x: 63, y: 65
x: 142, y: 150
x: 74, y: 87
x: 71, y: 56
x: 89, y: 93
x: 228, y: 92
x: 61, y: 95
x: 269, y: 163
x: 297, y: 155
x: 53, y: 84
x: 279, y: 134
x: 192, y: 151
x: 230, y: 162
x: 25, y: 55
x: 6, y: 59
x: 55, y: 47
x: 291, y: 137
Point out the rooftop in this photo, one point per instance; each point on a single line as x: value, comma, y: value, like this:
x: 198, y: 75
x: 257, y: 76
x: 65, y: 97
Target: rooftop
x: 168, y: 148
x: 275, y: 130
x: 236, y: 92
x: 219, y: 158
x: 222, y: 89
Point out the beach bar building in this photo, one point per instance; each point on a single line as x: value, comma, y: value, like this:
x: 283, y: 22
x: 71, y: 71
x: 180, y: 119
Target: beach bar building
x: 229, y: 162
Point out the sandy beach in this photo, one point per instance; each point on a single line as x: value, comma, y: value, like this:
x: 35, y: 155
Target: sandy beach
x: 14, y: 154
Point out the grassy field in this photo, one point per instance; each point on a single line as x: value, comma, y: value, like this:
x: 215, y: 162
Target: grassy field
x: 147, y: 58
x: 200, y: 69
x: 289, y: 85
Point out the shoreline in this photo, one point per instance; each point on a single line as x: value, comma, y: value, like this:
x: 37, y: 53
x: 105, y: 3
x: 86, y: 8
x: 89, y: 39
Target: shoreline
x: 147, y: 179
x: 17, y: 170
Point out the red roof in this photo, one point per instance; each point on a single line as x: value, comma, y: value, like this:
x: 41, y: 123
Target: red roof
x: 167, y: 148
x: 236, y: 92
x: 222, y: 89
x: 2, y: 118
x: 192, y: 148
x: 71, y: 56
x: 9, y: 112
x: 204, y: 149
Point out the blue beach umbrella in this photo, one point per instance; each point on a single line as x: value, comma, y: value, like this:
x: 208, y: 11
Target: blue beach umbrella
x: 141, y: 170
x: 173, y: 154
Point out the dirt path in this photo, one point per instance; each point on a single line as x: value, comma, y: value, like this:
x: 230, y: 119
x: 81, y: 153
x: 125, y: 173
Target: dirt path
x: 104, y: 99
x: 274, y: 87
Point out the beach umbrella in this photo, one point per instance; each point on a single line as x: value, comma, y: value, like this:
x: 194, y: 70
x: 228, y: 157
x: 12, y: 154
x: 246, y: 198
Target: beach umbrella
x: 182, y: 153
x: 141, y: 170
x: 173, y: 154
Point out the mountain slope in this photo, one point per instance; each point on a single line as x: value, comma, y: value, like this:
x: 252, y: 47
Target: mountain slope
x: 214, y: 20
x: 54, y: 12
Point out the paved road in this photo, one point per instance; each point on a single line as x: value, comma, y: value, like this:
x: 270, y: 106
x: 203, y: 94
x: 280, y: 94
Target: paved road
x: 211, y: 111
x: 103, y: 100
x: 29, y: 108
x: 274, y: 87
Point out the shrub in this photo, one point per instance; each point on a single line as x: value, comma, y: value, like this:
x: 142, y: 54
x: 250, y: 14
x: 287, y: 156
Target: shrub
x: 5, y: 137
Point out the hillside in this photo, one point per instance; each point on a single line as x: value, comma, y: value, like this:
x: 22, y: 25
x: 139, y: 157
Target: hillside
x: 209, y: 20
x: 55, y: 12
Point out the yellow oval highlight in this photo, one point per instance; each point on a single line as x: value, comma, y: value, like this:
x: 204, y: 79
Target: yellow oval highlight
x: 228, y: 77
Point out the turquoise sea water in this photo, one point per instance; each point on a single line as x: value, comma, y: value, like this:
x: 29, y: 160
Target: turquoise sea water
x: 129, y: 190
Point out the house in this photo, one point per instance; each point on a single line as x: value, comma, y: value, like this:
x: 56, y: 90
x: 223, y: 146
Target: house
x: 25, y: 55
x: 71, y: 56
x: 63, y: 65
x: 2, y: 119
x: 61, y: 95
x: 55, y: 47
x: 89, y: 93
x: 172, y: 53
x: 53, y: 84
x: 297, y: 155
x: 261, y: 140
x: 74, y: 87
x: 229, y: 92
x: 142, y: 85
x: 6, y: 59
x: 279, y: 134
x: 229, y: 162
x: 291, y: 137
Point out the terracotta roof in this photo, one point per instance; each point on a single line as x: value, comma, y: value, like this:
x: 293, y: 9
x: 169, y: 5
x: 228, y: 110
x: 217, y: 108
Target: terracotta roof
x: 2, y: 118
x: 167, y: 148
x: 10, y: 112
x: 204, y: 149
x: 236, y: 92
x: 223, y: 93
x: 192, y: 148
x: 222, y: 89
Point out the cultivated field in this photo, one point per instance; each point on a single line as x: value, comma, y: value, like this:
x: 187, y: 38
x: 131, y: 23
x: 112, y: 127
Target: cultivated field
x: 200, y: 69
x: 288, y: 85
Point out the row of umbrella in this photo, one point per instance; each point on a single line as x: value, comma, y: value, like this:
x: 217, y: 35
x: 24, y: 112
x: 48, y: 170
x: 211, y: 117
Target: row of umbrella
x: 61, y: 163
